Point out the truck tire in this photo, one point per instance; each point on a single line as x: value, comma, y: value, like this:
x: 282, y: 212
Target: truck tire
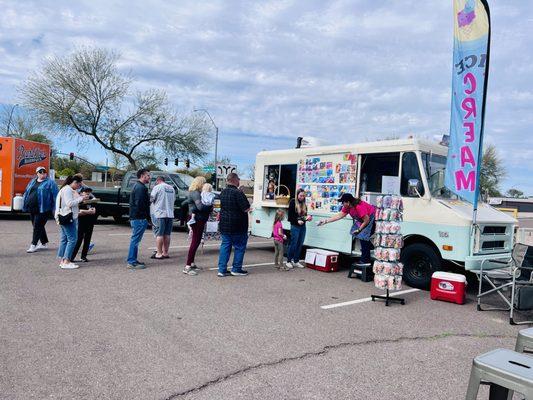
x: 419, y: 262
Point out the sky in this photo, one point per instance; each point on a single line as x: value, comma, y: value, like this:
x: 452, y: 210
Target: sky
x: 269, y: 71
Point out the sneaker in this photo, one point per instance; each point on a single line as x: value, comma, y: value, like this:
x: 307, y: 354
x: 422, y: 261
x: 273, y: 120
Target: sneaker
x: 194, y: 266
x: 69, y: 265
x: 289, y: 265
x: 222, y: 274
x: 32, y: 249
x: 91, y: 246
x: 189, y: 270
x: 299, y: 265
x: 41, y: 246
x: 84, y: 259
x: 137, y: 265
x: 239, y: 273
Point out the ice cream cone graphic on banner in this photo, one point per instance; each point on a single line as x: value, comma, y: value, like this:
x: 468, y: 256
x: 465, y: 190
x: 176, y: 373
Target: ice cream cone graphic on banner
x: 471, y: 22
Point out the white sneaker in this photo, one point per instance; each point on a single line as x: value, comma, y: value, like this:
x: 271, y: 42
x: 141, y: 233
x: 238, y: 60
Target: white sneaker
x: 289, y: 265
x: 299, y: 265
x: 41, y: 246
x: 189, y: 271
x: 32, y: 249
x: 69, y: 266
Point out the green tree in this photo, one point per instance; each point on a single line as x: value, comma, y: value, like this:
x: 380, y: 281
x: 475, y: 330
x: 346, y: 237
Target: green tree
x: 517, y: 194
x: 492, y: 172
x: 84, y: 96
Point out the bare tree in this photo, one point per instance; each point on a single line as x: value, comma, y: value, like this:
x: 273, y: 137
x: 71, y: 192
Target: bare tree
x: 24, y: 124
x: 85, y: 96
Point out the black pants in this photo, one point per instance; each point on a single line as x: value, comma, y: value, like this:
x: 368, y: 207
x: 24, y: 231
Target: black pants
x: 38, y: 221
x: 85, y: 233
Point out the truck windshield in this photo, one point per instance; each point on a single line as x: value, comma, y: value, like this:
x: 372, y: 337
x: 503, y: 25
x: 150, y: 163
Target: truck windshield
x: 435, y: 167
x: 183, y: 181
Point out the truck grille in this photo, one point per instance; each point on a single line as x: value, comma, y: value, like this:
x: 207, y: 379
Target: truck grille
x: 494, y: 239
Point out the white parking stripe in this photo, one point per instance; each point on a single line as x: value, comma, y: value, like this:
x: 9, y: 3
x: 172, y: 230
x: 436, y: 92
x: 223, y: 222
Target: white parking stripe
x: 209, y: 245
x: 366, y: 299
x: 247, y: 266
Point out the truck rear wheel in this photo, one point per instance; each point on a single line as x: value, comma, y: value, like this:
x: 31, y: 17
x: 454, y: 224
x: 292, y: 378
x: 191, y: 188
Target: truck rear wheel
x: 419, y: 262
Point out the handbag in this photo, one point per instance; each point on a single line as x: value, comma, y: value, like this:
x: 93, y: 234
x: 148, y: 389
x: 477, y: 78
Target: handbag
x: 64, y: 219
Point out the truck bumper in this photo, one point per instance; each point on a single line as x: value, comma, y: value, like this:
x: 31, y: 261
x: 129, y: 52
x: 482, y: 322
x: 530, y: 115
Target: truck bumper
x: 474, y: 262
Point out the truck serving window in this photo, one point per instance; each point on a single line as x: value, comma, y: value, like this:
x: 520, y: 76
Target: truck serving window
x: 279, y: 175
x: 374, y: 167
x: 410, y: 170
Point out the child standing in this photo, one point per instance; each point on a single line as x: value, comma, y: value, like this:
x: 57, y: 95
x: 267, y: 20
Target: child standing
x: 279, y: 237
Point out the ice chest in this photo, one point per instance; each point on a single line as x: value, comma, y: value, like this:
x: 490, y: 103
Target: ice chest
x: 322, y: 260
x: 450, y: 287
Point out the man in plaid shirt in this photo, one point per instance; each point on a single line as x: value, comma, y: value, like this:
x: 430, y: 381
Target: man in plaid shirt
x: 233, y: 227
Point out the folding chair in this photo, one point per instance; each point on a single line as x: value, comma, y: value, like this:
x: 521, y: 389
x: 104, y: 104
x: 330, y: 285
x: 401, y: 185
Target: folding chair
x: 507, y: 275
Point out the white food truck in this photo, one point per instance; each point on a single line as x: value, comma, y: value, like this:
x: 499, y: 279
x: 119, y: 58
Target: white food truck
x: 437, y: 226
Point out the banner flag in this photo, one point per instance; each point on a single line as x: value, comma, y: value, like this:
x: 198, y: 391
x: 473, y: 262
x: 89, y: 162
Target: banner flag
x: 471, y: 51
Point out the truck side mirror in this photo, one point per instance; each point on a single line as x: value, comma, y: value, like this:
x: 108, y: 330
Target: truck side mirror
x: 413, y: 186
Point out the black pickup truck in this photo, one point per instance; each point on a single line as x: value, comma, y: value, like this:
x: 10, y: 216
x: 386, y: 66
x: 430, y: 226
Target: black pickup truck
x: 114, y: 202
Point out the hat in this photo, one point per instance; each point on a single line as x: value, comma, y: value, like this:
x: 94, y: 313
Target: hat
x: 346, y: 197
x: 39, y: 169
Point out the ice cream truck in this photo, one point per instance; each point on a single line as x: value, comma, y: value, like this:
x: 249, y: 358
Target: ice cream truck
x: 19, y: 159
x: 437, y: 226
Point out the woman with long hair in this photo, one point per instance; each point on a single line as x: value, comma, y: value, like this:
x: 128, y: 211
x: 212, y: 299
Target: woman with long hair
x: 297, y: 217
x: 66, y: 215
x: 364, y: 222
x: 201, y: 215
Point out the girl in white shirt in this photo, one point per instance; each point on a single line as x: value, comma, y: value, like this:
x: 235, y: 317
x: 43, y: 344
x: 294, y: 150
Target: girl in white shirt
x: 67, y: 205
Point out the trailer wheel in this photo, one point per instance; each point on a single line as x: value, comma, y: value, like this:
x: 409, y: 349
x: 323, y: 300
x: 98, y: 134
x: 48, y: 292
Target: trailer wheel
x: 419, y: 262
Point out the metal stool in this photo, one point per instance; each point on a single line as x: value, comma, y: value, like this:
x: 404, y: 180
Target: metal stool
x: 524, y: 341
x: 504, y: 370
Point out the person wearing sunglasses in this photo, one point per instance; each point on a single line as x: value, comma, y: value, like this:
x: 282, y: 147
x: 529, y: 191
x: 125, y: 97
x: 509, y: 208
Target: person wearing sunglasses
x: 39, y: 200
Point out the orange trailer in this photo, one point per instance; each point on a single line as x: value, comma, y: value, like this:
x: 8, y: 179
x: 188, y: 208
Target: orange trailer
x: 19, y: 159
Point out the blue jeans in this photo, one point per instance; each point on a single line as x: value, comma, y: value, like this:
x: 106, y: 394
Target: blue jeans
x: 67, y: 240
x: 138, y: 227
x: 238, y: 241
x: 297, y: 241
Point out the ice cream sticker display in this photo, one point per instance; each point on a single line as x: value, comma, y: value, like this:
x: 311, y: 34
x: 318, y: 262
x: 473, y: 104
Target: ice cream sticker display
x: 326, y: 178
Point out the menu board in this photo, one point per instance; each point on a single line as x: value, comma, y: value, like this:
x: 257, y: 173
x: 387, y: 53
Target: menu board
x: 325, y: 178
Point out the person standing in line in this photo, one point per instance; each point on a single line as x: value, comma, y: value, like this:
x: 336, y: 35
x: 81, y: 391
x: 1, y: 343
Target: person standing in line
x: 39, y: 200
x: 364, y: 225
x: 162, y: 197
x: 86, y: 221
x: 139, y: 214
x: 297, y: 217
x: 66, y: 216
x: 201, y: 215
x: 233, y: 226
x: 279, y: 237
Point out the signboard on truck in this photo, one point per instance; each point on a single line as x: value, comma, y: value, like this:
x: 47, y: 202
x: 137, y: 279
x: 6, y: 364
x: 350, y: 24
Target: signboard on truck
x: 19, y: 159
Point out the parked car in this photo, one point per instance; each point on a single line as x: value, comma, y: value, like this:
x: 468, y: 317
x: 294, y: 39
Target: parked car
x: 114, y: 202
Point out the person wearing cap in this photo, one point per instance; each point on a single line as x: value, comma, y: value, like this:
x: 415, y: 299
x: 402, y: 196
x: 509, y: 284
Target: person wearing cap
x: 364, y: 223
x: 39, y: 200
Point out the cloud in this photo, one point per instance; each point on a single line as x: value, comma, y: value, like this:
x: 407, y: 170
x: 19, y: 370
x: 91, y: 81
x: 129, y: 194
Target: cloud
x: 343, y: 70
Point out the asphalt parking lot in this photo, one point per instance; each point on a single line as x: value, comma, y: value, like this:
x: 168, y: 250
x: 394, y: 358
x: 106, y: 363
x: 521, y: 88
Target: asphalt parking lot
x: 105, y: 332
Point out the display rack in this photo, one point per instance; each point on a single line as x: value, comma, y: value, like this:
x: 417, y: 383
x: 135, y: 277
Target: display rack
x: 388, y: 242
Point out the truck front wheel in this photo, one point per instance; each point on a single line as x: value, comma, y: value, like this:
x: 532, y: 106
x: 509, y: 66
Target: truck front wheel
x: 419, y: 262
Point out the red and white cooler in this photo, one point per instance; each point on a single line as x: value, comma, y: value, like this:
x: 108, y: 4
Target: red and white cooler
x: 450, y: 287
x: 322, y: 260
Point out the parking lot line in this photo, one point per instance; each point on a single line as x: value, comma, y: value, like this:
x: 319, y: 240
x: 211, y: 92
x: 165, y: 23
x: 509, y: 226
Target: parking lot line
x: 366, y: 299
x: 210, y: 245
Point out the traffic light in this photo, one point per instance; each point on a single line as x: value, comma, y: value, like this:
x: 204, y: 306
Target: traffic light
x: 176, y: 162
x: 187, y: 164
x: 166, y: 161
x: 71, y: 156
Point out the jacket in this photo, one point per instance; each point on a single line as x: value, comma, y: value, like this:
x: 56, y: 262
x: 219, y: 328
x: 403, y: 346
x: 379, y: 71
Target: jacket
x: 139, y: 201
x: 293, y: 216
x: 201, y: 211
x: 46, y: 193
x: 234, y: 208
x: 68, y: 201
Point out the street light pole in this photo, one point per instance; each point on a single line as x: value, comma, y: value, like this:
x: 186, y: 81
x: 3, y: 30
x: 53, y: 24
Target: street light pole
x: 216, y: 142
x: 9, y: 120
